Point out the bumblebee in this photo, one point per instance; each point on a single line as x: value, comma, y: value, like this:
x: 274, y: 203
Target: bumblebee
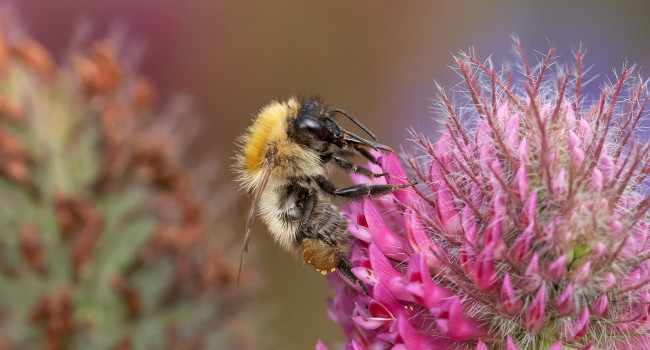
x: 282, y: 162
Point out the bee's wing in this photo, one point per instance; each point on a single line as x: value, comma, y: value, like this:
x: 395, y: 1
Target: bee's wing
x: 256, y: 200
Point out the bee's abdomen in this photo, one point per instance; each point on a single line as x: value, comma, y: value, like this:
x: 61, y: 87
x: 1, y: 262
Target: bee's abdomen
x: 281, y: 215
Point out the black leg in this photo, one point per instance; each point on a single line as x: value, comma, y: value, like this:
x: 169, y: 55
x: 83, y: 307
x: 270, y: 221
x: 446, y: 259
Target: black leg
x: 350, y: 167
x: 364, y: 152
x: 358, y: 191
x: 345, y: 266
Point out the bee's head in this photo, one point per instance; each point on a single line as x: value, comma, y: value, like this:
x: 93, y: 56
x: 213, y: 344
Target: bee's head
x: 314, y: 128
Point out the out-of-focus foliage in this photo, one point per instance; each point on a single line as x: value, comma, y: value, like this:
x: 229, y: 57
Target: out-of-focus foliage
x: 104, y: 242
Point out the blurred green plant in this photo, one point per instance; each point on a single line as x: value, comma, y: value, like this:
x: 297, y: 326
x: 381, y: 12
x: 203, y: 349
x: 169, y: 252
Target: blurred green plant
x: 104, y: 242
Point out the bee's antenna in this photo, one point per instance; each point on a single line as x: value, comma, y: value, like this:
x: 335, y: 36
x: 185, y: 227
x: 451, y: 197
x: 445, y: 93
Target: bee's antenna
x: 355, y: 121
x: 270, y: 157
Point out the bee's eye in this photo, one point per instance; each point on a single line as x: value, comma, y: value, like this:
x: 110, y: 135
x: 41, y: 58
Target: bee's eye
x: 316, y: 128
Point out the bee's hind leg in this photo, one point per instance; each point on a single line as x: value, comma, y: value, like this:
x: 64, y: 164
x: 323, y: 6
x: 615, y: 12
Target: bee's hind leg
x: 345, y: 267
x: 317, y: 253
x: 326, y: 258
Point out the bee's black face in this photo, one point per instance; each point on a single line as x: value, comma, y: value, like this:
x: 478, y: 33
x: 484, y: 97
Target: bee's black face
x: 311, y: 118
x: 315, y: 128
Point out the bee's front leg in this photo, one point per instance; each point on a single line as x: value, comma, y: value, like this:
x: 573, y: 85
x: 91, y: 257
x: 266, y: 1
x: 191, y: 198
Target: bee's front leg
x: 357, y: 191
x: 351, y: 167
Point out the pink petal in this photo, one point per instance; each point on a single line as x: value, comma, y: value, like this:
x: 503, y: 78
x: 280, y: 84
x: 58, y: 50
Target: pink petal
x: 564, y: 302
x: 600, y: 306
x: 511, y: 135
x: 355, y: 346
x: 584, y: 129
x: 475, y: 194
x: 496, y: 174
x: 453, y: 323
x: 483, y: 275
x: 360, y: 232
x: 408, y: 335
x: 632, y: 279
x: 366, y: 275
x: 498, y: 204
x: 574, y: 140
x: 444, y: 199
x: 529, y: 211
x: 607, y: 167
x: 557, y: 268
x: 536, y: 315
x: 523, y: 153
x: 596, y: 183
x: 577, y: 157
x: 444, y: 148
x: 373, y: 315
x: 342, y: 305
x: 532, y: 278
x: 569, y: 116
x: 582, y: 274
x: 398, y: 176
x: 384, y: 272
x: 599, y: 251
x: 469, y: 225
x: 467, y: 258
x: 522, y: 244
x: 510, y: 344
x: 548, y: 233
x: 559, y: 183
x: 520, y: 182
x: 493, y: 235
x: 392, y: 245
x: 484, y: 144
x: 579, y: 326
x: 420, y: 239
x: 390, y: 337
x: 383, y: 295
x: 422, y: 287
x: 508, y: 297
x: 608, y: 281
x: 320, y: 345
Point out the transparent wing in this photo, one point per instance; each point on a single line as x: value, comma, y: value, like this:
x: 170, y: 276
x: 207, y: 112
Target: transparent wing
x: 251, y: 214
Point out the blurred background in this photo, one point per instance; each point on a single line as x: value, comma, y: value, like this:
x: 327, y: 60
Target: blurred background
x: 376, y: 60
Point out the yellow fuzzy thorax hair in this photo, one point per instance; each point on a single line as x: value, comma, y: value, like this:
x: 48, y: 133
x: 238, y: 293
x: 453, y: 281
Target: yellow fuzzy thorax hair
x: 269, y: 129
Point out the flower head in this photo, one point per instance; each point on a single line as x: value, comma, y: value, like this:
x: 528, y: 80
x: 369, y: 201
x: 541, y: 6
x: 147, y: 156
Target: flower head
x: 531, y: 230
